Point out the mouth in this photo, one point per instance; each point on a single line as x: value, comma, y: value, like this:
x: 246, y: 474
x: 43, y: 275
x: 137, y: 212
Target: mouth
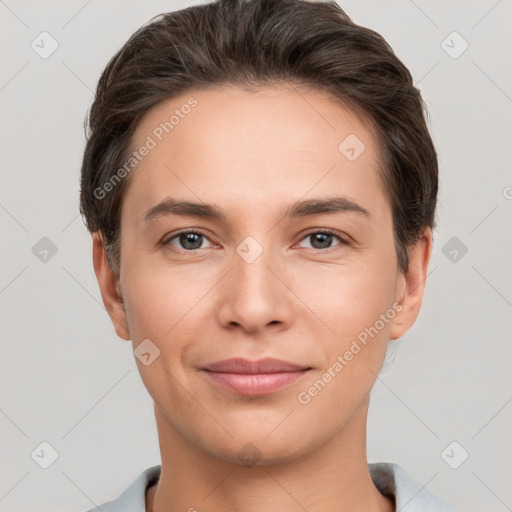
x: 254, y: 378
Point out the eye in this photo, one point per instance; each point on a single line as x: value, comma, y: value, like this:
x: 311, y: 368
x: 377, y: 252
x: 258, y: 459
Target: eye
x: 323, y: 239
x: 187, y: 241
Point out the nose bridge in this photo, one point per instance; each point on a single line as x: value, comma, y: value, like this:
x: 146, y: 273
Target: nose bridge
x: 252, y: 277
x: 251, y: 268
x: 254, y: 296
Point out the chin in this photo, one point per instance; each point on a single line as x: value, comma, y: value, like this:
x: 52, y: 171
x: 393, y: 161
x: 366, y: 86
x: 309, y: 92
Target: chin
x: 253, y: 449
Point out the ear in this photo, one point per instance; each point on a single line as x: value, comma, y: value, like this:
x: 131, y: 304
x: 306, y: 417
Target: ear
x: 410, y: 286
x: 109, y: 287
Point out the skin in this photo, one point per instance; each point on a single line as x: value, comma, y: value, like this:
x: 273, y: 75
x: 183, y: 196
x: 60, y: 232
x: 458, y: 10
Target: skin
x: 252, y: 154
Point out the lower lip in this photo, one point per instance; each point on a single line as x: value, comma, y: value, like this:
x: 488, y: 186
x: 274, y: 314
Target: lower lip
x: 255, y: 384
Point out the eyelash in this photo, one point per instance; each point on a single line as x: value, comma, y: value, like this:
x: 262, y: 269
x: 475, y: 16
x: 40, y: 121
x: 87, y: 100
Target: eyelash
x: 324, y: 231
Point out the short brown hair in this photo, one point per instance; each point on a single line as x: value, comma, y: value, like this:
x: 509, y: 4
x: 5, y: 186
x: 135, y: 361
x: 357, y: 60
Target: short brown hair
x: 248, y: 44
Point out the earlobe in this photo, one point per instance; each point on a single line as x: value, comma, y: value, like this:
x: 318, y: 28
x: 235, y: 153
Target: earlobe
x: 109, y: 287
x: 412, y: 286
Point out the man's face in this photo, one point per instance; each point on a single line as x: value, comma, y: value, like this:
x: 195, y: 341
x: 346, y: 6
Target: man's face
x: 258, y: 283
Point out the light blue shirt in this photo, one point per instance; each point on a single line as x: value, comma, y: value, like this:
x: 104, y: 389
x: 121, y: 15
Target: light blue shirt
x: 390, y: 479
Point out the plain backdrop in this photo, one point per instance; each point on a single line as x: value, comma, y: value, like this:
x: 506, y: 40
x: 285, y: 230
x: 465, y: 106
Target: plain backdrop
x: 68, y: 381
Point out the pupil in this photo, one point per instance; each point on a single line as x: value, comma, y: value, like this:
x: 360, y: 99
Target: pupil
x: 324, y: 238
x: 191, y: 240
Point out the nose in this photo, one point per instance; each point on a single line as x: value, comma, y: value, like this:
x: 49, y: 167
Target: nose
x: 256, y: 295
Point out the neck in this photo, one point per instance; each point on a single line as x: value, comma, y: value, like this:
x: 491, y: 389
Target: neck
x: 333, y: 477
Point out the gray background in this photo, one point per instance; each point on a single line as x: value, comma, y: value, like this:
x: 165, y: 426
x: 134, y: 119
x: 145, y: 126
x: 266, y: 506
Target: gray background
x: 68, y: 380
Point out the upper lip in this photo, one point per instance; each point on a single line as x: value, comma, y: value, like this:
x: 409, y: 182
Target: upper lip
x: 266, y: 365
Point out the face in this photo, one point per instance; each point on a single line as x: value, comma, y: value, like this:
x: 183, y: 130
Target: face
x: 288, y: 253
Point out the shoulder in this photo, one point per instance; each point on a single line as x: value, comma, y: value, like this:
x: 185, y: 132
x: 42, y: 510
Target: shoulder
x: 133, y: 498
x: 410, y: 496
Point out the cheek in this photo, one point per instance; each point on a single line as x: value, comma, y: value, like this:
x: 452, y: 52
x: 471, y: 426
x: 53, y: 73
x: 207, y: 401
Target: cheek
x: 158, y: 296
x: 350, y: 296
x: 158, y: 305
x: 356, y: 303
x: 145, y: 304
x: 359, y: 311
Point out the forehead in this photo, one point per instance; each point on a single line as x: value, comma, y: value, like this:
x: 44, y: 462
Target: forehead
x: 258, y: 146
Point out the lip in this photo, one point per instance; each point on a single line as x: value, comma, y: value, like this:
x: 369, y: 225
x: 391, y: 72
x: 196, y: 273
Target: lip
x: 259, y: 377
x: 246, y: 366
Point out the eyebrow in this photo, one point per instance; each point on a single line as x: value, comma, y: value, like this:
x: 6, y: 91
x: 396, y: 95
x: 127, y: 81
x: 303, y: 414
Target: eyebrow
x: 170, y: 206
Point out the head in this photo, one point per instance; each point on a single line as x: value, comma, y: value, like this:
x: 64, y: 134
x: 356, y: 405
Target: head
x: 302, y: 141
